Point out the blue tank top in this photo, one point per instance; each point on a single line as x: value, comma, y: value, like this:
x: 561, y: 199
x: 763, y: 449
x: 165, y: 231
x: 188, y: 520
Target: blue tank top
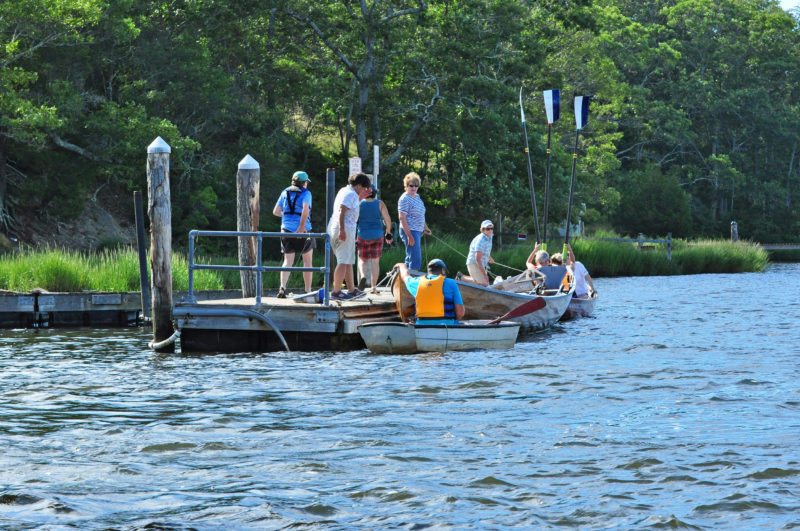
x: 370, y: 222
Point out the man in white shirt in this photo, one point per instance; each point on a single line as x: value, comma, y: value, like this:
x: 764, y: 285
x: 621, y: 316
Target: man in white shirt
x: 342, y: 230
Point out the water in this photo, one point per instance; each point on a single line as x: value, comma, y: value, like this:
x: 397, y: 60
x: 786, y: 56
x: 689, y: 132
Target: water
x: 677, y: 405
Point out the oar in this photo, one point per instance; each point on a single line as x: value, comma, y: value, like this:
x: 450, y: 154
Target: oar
x: 581, y: 117
x: 523, y: 309
x: 552, y: 107
x: 530, y: 171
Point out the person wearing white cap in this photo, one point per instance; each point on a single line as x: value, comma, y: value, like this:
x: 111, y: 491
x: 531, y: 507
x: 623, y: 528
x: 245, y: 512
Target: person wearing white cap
x: 479, y: 256
x: 294, y: 209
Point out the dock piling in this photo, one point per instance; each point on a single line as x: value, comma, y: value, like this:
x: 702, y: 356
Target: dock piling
x: 248, y: 182
x: 158, y: 210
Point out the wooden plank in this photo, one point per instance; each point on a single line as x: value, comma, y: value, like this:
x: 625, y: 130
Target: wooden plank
x: 16, y: 303
x: 780, y: 246
x: 249, y: 324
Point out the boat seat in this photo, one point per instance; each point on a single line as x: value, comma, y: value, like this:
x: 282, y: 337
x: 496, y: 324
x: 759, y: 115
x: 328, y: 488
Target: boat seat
x: 553, y: 275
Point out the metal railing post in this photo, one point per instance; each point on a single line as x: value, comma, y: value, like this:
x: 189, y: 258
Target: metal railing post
x: 259, y: 280
x: 191, y: 266
x: 326, y: 285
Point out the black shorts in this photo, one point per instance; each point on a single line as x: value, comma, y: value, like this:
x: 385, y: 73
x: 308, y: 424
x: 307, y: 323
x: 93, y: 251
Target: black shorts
x: 297, y: 245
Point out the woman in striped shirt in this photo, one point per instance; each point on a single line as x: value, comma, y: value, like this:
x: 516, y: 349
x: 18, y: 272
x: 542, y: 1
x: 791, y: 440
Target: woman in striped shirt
x: 411, y: 212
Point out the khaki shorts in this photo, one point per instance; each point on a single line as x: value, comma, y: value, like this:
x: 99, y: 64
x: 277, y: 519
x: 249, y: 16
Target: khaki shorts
x: 345, y: 251
x: 475, y: 273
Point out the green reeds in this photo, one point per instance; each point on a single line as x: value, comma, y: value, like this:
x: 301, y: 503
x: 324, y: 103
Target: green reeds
x: 720, y: 256
x: 118, y: 270
x: 61, y: 270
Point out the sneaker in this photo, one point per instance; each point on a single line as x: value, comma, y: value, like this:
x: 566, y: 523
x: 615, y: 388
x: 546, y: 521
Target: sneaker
x: 362, y: 283
x: 356, y: 293
x: 339, y: 296
x: 282, y: 293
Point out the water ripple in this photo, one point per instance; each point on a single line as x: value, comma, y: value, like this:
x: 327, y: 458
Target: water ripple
x: 651, y: 414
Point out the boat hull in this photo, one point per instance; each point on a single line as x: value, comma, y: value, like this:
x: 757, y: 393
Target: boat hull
x: 406, y: 338
x: 482, y: 303
x: 579, y: 307
x: 487, y: 303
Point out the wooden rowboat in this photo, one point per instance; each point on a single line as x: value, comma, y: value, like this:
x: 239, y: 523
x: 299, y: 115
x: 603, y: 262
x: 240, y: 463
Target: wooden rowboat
x: 407, y: 338
x: 483, y: 303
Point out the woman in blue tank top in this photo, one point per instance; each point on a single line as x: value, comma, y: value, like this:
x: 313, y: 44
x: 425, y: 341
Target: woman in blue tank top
x: 373, y: 223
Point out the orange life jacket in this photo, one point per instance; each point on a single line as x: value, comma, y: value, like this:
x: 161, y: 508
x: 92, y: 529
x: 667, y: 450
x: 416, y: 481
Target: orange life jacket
x: 431, y: 302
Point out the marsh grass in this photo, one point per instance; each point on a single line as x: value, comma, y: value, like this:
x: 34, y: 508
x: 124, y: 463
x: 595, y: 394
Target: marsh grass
x: 720, y: 256
x: 117, y: 270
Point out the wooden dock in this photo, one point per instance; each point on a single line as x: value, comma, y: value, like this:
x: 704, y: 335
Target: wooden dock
x: 219, y: 321
x: 42, y: 309
x: 239, y: 325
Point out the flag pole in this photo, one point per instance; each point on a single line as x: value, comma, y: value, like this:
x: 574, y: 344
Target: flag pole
x: 571, y: 193
x: 547, y: 187
x: 530, y: 171
x: 581, y: 117
x: 552, y: 106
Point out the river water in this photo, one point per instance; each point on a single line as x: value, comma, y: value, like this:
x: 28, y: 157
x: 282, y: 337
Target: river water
x: 676, y: 405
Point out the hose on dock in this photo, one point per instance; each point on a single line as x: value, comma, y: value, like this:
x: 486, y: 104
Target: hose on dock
x: 237, y: 312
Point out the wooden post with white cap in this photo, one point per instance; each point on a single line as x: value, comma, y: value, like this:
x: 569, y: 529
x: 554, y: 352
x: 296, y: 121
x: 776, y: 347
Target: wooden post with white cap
x: 159, y: 212
x: 248, y: 182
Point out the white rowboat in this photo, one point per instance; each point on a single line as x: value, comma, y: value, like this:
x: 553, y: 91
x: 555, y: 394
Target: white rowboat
x: 406, y: 338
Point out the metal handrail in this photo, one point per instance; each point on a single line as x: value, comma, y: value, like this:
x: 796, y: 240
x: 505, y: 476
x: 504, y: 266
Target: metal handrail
x: 258, y: 268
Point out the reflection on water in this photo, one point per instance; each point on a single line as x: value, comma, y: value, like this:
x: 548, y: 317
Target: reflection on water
x: 676, y: 405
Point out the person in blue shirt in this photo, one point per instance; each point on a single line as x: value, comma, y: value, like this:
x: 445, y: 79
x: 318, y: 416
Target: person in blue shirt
x: 437, y: 297
x: 294, y: 209
x: 374, y: 225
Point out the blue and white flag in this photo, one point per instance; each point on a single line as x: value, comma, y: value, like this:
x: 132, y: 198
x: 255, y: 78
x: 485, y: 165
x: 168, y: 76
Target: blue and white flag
x: 581, y: 111
x: 552, y: 105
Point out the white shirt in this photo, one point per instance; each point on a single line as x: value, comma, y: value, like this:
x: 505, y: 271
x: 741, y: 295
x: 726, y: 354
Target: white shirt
x: 348, y: 197
x: 580, y: 272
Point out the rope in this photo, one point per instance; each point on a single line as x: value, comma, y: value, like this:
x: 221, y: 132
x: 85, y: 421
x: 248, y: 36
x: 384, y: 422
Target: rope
x: 170, y: 340
x: 465, y: 256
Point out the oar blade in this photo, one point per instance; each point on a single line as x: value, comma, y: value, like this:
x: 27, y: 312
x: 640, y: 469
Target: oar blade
x: 582, y: 111
x: 552, y: 105
x: 523, y: 309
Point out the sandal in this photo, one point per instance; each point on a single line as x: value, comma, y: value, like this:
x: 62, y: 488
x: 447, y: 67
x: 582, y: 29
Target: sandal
x: 282, y: 293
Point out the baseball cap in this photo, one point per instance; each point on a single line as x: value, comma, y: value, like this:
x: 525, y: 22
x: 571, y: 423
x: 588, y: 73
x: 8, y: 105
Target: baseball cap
x: 486, y: 223
x: 438, y: 262
x: 301, y: 176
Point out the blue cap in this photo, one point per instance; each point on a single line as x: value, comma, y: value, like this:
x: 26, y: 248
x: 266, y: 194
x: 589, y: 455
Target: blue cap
x: 301, y: 176
x: 438, y: 262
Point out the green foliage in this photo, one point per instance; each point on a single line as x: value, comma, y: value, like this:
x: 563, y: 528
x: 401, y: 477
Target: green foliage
x: 653, y: 203
x: 693, y: 121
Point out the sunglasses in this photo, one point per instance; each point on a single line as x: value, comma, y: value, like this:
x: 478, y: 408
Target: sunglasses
x: 489, y: 228
x: 412, y: 186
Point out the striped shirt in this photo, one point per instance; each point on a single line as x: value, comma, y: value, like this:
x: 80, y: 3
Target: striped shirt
x: 480, y: 243
x: 414, y: 209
